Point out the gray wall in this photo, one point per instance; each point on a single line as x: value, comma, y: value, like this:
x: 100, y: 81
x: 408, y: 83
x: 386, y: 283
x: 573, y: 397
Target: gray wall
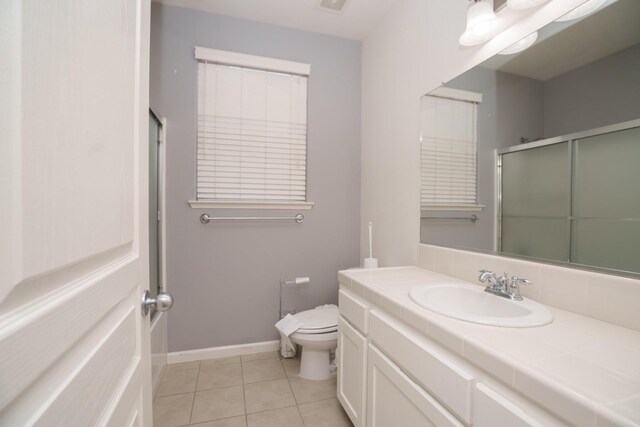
x: 604, y: 92
x: 224, y: 277
x: 503, y: 118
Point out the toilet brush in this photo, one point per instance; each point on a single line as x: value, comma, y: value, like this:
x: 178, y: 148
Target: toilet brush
x: 371, y: 262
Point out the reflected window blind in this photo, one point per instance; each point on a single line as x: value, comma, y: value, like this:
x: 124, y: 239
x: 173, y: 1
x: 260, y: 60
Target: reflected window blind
x: 448, y: 146
x: 252, y: 134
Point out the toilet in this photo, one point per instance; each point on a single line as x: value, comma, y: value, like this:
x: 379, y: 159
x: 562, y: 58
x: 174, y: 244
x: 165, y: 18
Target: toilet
x: 318, y: 337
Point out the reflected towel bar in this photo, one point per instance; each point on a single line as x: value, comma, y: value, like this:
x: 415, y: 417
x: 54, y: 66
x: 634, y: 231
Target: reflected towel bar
x: 205, y: 218
x: 471, y: 218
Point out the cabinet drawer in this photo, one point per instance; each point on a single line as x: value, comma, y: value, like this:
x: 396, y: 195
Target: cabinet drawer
x: 394, y: 399
x: 428, y: 364
x: 494, y: 410
x: 355, y: 310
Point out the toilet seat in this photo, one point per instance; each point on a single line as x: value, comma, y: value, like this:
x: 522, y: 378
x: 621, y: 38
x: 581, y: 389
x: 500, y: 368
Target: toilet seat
x: 319, y: 320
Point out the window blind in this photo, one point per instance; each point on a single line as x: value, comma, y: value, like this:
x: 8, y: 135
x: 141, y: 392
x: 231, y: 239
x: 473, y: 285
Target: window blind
x: 448, y: 152
x: 251, y: 134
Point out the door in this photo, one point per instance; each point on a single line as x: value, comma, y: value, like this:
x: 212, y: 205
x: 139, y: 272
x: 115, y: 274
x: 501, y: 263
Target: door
x: 395, y: 400
x: 74, y: 213
x: 351, y: 356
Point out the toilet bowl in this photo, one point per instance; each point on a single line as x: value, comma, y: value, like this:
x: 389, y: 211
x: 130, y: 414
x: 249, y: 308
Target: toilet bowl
x: 318, y: 337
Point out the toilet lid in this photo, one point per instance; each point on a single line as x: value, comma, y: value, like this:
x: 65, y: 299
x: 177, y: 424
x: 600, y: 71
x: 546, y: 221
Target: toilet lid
x: 321, y: 319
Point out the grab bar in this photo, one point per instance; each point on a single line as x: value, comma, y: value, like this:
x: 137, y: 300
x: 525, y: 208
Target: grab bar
x: 471, y: 218
x: 205, y: 218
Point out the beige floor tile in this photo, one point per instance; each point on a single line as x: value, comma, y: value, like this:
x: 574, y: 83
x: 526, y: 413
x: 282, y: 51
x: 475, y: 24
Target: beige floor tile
x: 268, y: 395
x: 262, y: 370
x: 218, y: 403
x: 183, y: 366
x: 219, y: 376
x: 291, y: 367
x: 260, y: 356
x: 306, y: 391
x: 324, y: 413
x: 172, y: 411
x: 283, y: 417
x: 221, y: 361
x: 178, y: 382
x: 226, y: 422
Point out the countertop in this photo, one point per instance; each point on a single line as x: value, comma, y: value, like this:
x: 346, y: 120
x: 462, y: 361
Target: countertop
x: 584, y: 370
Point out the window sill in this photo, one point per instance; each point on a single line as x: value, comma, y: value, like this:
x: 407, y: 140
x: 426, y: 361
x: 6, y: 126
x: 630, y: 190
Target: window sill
x: 217, y: 204
x: 468, y: 208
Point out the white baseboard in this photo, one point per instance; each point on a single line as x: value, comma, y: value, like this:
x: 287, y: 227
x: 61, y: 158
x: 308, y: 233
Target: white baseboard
x: 225, y: 351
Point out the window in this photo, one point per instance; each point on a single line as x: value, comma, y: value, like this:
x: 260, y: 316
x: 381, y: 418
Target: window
x: 448, y: 149
x: 252, y: 130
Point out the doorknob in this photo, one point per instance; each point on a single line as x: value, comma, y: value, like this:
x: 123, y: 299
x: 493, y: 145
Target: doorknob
x: 162, y: 302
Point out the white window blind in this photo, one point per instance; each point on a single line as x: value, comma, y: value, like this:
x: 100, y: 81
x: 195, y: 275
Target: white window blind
x: 252, y: 133
x: 448, y: 145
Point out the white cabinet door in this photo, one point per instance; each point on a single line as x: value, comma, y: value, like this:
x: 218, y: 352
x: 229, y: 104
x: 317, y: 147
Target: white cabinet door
x: 494, y: 410
x: 394, y: 400
x: 74, y: 347
x: 351, y: 356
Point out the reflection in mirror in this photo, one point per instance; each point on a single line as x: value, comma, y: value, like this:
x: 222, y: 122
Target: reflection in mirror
x: 542, y: 147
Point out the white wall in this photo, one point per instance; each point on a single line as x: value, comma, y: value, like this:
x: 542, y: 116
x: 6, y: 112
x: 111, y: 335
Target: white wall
x: 411, y: 52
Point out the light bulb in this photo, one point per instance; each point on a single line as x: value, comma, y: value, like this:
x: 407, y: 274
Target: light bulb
x: 521, y: 45
x: 481, y: 24
x: 582, y: 10
x: 524, y: 4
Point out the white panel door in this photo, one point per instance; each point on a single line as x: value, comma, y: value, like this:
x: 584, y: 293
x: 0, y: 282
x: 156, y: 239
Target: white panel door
x: 351, y: 356
x: 395, y: 400
x: 74, y: 345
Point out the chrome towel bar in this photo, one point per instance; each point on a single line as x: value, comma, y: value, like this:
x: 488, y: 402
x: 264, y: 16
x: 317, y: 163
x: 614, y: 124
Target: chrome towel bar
x: 471, y: 218
x: 205, y: 218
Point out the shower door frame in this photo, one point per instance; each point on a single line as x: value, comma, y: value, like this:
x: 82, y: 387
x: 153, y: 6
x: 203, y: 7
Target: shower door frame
x: 569, y: 139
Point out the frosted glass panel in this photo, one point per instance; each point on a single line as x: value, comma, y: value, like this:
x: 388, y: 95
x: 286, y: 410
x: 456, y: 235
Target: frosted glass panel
x: 606, y: 230
x: 535, y: 202
x: 544, y: 238
x: 607, y: 243
x: 536, y: 182
x: 607, y: 175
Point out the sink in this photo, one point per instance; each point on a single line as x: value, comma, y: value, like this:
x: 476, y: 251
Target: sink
x: 471, y: 303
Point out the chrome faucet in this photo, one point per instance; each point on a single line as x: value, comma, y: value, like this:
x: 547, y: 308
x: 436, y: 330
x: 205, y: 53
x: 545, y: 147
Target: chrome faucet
x: 502, y: 286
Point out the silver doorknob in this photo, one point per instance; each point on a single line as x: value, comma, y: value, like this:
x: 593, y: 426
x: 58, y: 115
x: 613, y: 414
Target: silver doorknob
x: 162, y: 302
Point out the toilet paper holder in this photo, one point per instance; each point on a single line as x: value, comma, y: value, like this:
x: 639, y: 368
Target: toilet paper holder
x: 283, y: 283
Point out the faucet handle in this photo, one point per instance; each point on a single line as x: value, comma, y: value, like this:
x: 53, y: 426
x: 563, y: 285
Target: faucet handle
x: 517, y: 281
x: 485, y: 275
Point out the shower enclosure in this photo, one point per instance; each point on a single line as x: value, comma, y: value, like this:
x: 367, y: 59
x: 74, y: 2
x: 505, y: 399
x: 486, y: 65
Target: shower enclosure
x: 574, y: 198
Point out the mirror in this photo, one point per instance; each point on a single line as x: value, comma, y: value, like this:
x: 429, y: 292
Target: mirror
x: 537, y: 154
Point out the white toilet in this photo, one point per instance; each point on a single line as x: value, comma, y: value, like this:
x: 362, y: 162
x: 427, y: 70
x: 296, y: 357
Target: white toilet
x: 318, y: 337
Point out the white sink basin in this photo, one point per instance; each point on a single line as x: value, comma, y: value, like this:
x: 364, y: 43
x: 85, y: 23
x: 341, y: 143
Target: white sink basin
x: 471, y: 303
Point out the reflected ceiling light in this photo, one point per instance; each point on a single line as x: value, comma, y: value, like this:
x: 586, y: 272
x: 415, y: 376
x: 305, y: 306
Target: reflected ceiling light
x: 481, y: 24
x: 521, y: 45
x: 524, y: 4
x: 582, y: 10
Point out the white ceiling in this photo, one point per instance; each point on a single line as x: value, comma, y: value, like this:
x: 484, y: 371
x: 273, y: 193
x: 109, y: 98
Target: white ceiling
x: 356, y: 20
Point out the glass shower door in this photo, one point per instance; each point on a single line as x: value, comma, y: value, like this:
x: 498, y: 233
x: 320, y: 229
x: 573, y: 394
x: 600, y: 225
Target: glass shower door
x: 536, y: 202
x: 606, y: 201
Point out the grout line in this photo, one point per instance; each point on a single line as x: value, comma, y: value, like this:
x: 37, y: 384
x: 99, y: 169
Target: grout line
x: 193, y: 401
x: 244, y: 395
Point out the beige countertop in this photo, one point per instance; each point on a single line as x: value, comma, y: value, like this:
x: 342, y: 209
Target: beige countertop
x: 584, y: 370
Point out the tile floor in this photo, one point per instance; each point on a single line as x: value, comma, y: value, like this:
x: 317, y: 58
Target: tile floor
x: 257, y: 390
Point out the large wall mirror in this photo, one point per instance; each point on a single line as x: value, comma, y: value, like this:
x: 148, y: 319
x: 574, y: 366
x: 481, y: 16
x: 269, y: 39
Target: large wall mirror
x: 536, y: 153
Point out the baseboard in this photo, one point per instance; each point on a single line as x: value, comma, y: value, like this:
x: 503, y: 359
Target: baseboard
x: 224, y: 351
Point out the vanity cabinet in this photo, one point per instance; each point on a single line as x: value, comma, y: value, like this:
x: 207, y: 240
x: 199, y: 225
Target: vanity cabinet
x: 390, y: 374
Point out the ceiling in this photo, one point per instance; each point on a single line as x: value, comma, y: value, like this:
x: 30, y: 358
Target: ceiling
x: 356, y: 20
x: 562, y: 47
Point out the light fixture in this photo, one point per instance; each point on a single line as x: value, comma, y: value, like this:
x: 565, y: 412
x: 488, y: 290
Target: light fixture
x: 521, y: 45
x: 524, y: 4
x: 481, y: 24
x: 582, y: 10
